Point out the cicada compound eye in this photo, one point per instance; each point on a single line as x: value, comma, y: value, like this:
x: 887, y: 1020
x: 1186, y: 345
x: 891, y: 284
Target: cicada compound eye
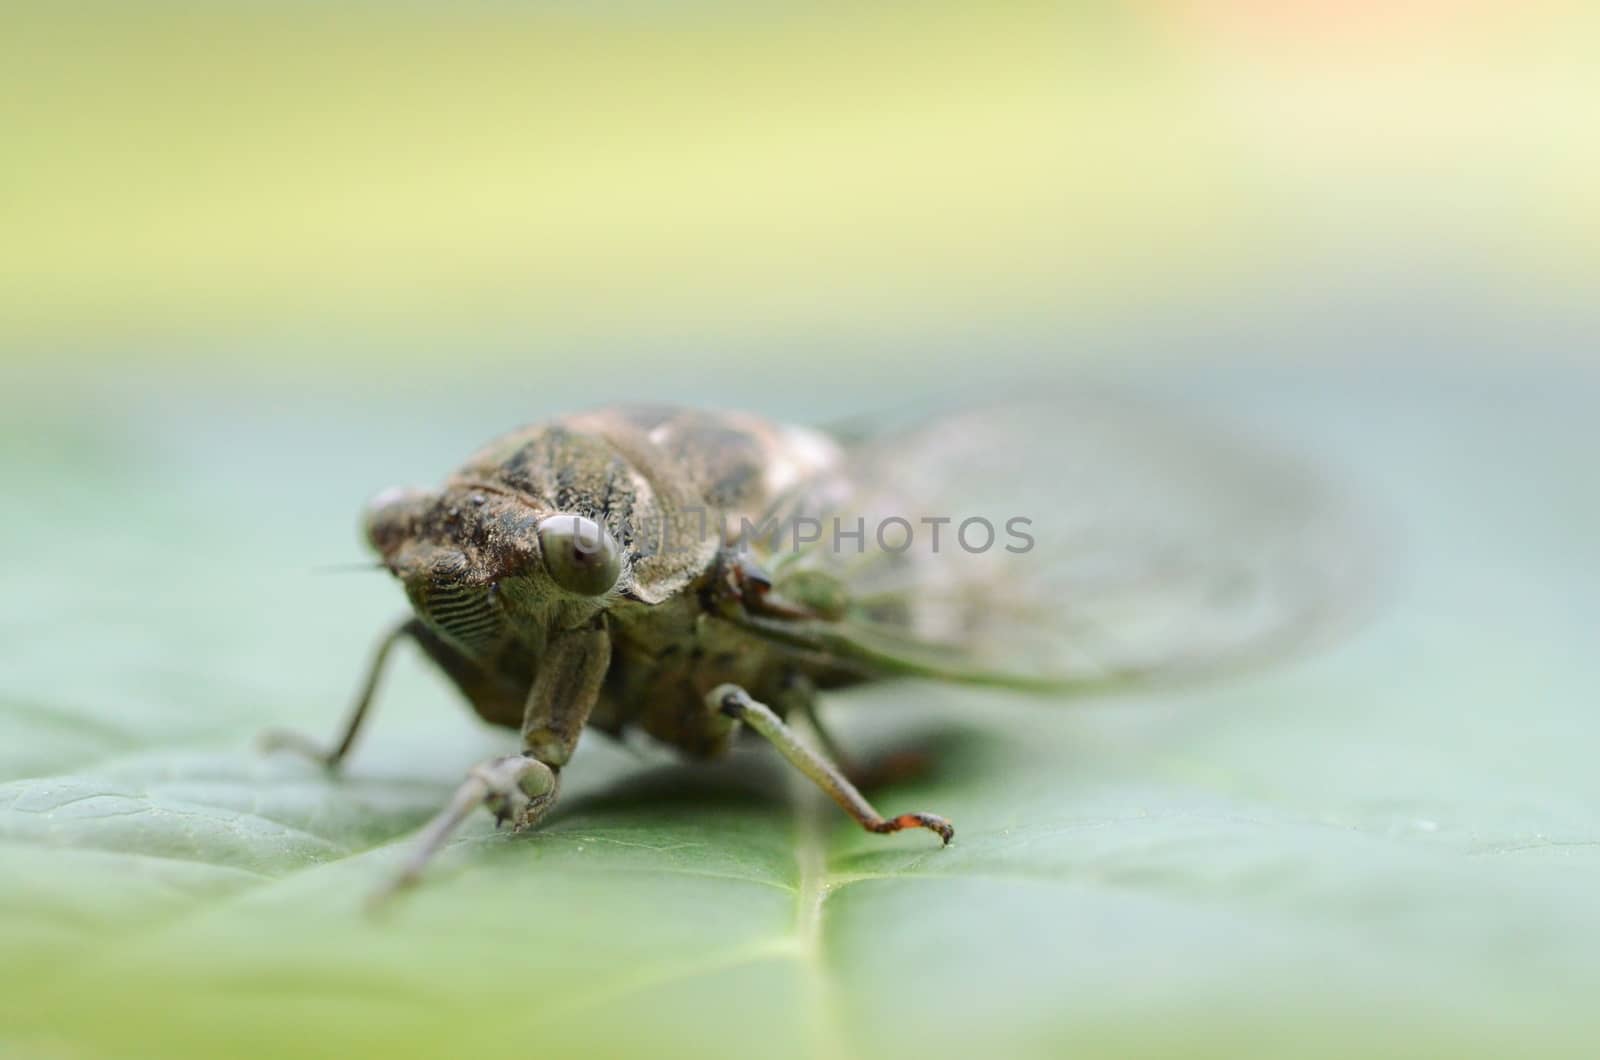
x: 581, y: 555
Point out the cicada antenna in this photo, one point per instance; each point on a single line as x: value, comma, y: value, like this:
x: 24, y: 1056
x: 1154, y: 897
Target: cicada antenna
x: 350, y: 568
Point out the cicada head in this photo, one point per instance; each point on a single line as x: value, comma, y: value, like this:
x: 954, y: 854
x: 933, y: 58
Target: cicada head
x: 481, y: 567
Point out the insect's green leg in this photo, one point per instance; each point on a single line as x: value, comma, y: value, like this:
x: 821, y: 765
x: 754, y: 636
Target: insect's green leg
x: 734, y: 702
x: 564, y: 692
x: 799, y: 697
x: 284, y: 740
x: 522, y: 788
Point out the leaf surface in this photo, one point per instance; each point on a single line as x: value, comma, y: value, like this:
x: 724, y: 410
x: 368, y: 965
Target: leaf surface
x: 1390, y: 847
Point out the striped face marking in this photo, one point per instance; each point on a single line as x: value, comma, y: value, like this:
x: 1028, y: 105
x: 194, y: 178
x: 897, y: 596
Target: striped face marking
x: 467, y: 614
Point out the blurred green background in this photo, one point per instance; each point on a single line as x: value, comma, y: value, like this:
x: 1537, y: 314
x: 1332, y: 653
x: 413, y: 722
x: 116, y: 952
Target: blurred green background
x: 259, y: 260
x: 298, y: 190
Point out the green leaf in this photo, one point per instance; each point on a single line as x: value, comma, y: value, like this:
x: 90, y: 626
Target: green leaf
x: 1388, y: 848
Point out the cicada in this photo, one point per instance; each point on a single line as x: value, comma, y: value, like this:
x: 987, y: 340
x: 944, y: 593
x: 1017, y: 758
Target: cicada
x: 697, y: 574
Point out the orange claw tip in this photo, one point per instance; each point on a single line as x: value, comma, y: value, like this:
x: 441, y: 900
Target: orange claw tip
x: 933, y: 823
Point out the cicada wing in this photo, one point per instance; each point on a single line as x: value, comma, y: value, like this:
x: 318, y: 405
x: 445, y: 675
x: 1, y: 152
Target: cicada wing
x: 1072, y: 542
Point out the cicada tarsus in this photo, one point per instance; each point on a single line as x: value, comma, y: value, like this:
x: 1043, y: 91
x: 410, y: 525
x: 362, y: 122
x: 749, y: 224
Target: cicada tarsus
x: 697, y: 574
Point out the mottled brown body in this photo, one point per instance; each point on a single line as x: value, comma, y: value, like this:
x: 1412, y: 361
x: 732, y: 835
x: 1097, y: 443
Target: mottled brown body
x: 674, y: 488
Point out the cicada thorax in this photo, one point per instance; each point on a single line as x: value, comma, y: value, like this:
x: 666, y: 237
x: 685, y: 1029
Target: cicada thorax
x: 673, y: 485
x: 555, y: 468
x: 737, y: 467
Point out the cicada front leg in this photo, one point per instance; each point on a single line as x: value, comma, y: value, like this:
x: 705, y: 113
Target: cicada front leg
x: 733, y: 702
x: 520, y: 789
x: 515, y: 788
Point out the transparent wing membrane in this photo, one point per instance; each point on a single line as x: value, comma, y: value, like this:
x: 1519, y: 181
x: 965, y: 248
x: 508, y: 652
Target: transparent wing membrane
x: 1114, y: 541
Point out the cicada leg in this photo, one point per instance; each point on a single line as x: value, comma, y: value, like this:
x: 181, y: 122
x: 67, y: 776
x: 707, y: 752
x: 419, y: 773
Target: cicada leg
x: 286, y: 740
x: 520, y: 789
x: 735, y: 703
x: 800, y: 697
x: 515, y: 788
